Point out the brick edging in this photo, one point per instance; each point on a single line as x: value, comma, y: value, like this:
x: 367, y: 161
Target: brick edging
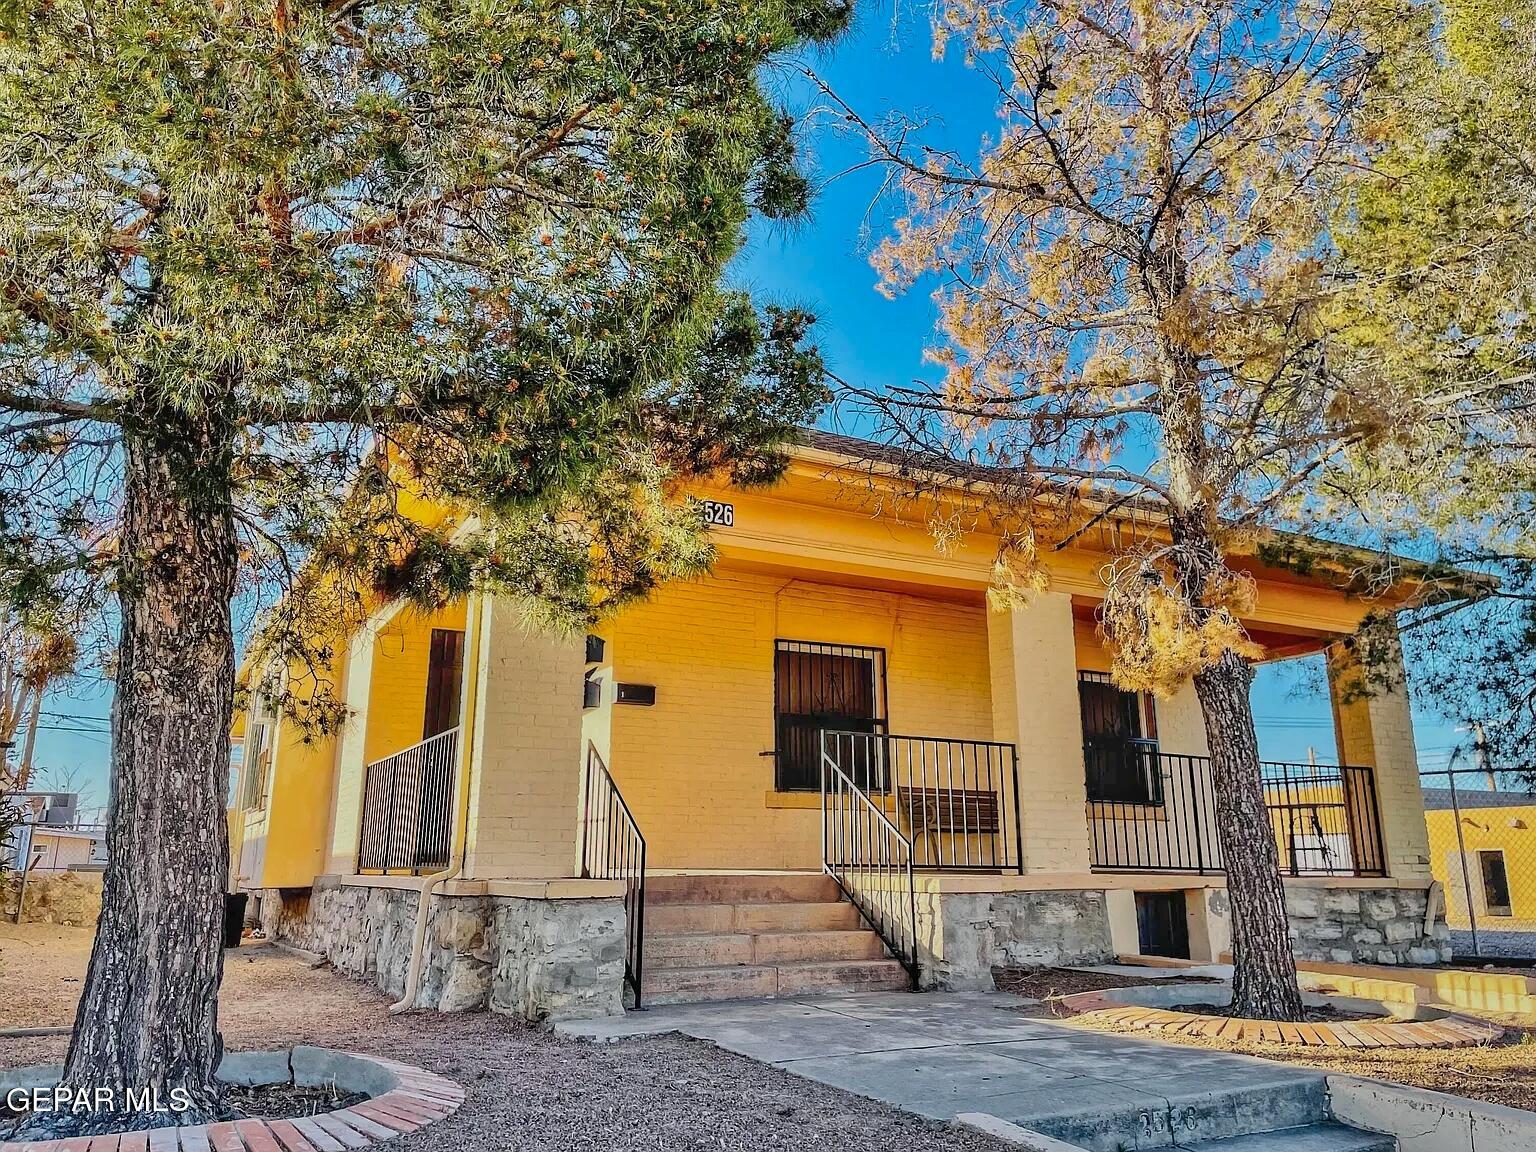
x: 1449, y: 1031
x: 417, y: 1099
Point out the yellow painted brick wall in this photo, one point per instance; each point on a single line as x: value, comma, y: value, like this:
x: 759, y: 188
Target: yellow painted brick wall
x: 1377, y: 730
x: 691, y: 766
x: 397, y: 698
x: 526, y: 754
x: 298, y: 808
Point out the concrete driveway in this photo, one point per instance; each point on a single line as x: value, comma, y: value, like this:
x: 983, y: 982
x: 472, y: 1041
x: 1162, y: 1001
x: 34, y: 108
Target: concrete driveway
x: 942, y: 1055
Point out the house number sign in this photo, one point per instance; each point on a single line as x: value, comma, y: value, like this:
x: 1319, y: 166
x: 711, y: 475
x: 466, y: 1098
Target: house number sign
x: 718, y: 514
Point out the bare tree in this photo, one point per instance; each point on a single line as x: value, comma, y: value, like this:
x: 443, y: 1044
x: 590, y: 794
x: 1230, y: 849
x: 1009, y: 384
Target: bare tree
x: 34, y: 654
x: 1135, y: 321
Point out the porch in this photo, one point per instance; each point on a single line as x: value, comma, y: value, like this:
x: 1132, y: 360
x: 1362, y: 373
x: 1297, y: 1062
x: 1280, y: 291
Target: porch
x: 940, y: 804
x: 893, y: 811
x: 920, y: 750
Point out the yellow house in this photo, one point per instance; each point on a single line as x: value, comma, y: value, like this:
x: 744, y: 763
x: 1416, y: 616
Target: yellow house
x: 1482, y: 847
x: 829, y: 764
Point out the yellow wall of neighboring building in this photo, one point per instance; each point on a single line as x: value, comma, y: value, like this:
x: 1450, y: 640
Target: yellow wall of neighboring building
x: 692, y: 766
x: 1510, y: 830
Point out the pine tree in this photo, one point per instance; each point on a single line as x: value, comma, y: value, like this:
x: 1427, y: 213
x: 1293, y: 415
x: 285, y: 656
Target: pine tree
x: 1438, y: 295
x: 271, y: 271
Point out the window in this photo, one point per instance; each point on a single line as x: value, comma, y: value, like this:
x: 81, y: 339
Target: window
x: 816, y: 688
x: 1495, y: 883
x: 256, y: 761
x: 236, y: 758
x: 1119, y: 742
x: 445, y: 675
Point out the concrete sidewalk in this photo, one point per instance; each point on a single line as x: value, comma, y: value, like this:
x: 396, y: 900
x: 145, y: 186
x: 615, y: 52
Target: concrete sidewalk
x: 944, y: 1054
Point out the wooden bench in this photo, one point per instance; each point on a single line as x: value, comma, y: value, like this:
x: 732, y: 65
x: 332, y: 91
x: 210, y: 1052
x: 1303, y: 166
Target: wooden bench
x: 933, y: 812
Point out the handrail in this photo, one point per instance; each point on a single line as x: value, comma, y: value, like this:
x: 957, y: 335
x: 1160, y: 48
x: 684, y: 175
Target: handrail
x: 612, y: 848
x: 869, y: 857
x: 408, y: 807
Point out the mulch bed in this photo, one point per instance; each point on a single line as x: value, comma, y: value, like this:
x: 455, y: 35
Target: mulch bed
x: 284, y: 1101
x: 1318, y: 1014
x: 1053, y: 983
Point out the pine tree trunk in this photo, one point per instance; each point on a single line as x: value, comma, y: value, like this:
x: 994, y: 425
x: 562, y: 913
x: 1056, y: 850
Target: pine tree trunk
x: 1264, y: 977
x: 1264, y: 985
x: 148, y: 1015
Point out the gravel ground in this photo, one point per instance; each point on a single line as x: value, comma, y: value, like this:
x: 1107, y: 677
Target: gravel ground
x: 527, y: 1090
x: 41, y: 966
x: 1511, y: 945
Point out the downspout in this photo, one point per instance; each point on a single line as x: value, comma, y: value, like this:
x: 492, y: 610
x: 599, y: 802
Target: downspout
x: 430, y: 884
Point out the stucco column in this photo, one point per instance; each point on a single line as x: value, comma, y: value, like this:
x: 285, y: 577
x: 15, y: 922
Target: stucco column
x: 1373, y: 726
x: 526, y: 754
x: 1033, y: 659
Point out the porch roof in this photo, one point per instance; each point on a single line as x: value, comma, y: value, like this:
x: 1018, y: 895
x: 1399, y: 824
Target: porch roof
x: 1402, y: 581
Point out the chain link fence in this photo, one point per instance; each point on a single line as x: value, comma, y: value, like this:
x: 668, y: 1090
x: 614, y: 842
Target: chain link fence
x: 1482, y: 845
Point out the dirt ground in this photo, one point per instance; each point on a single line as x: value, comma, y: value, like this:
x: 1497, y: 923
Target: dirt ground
x: 41, y: 966
x: 528, y: 1091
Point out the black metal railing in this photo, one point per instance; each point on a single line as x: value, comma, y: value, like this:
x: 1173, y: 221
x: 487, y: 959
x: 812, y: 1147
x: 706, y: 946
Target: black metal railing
x: 612, y: 848
x: 1325, y: 819
x: 868, y: 856
x: 955, y: 800
x: 408, y: 807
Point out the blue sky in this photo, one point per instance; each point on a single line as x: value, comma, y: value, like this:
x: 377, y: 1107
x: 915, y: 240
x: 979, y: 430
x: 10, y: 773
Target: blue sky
x: 823, y: 264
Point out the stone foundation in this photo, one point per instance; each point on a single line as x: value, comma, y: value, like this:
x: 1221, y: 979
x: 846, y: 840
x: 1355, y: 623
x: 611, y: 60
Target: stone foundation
x: 70, y: 898
x: 1365, y: 926
x: 964, y: 935
x: 536, y: 958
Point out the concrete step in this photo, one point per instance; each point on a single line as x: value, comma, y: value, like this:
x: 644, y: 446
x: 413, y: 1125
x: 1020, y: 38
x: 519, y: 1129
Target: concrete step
x: 1313, y: 1138
x: 763, y: 981
x: 749, y: 918
x: 796, y: 947
x: 1267, y: 1103
x: 742, y: 888
x: 843, y: 976
x: 715, y: 949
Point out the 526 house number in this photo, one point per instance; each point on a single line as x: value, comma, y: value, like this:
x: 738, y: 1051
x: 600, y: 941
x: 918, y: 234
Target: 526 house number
x: 718, y: 514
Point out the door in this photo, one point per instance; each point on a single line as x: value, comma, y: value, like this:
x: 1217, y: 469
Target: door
x: 1495, y: 883
x: 445, y: 675
x: 832, y: 687
x: 1161, y: 924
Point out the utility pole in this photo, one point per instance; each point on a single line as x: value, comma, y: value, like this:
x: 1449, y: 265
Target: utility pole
x: 1461, y: 850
